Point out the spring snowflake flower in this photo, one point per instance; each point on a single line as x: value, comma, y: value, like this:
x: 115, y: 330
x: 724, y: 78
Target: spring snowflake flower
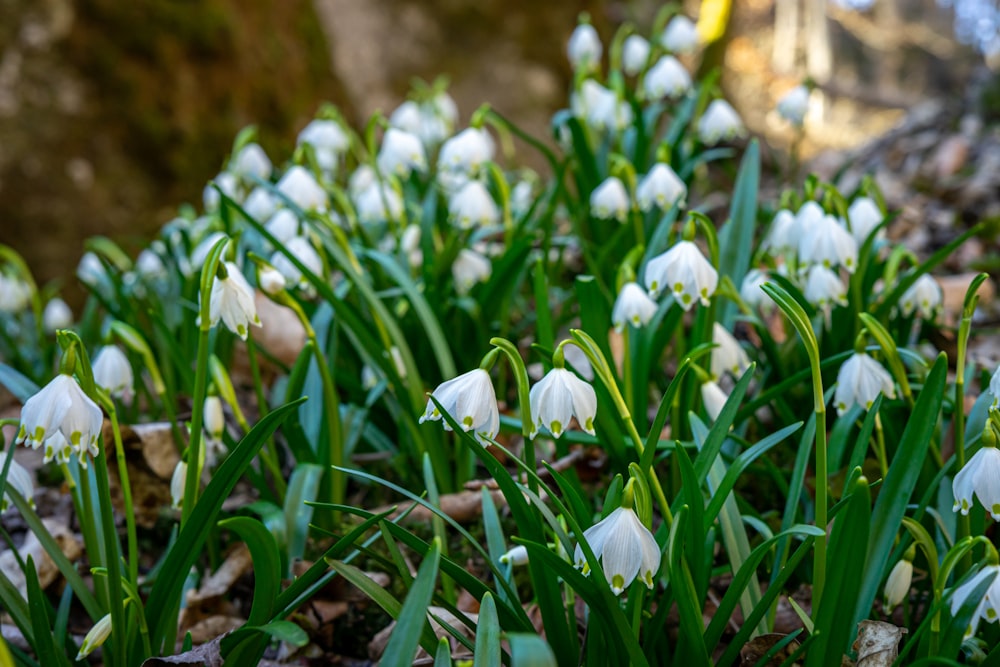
x: 625, y: 548
x: 328, y: 140
x: 270, y: 280
x: 283, y: 226
x: 516, y: 556
x: 150, y: 266
x: 720, y: 122
x: 19, y: 479
x: 782, y: 237
x: 302, y: 250
x: 470, y: 268
x: 681, y: 35
x: 600, y: 108
x: 667, y: 78
x: 685, y: 272
x: 859, y: 382
x: 897, y: 586
x: 560, y: 396
x: 661, y: 187
x: 378, y: 203
x: 988, y: 607
x: 634, y: 306
x: 473, y: 206
x: 61, y: 415
x: 750, y: 289
x: 90, y: 271
x: 15, y: 293
x: 828, y: 243
x: 113, y: 372
x: 303, y: 190
x: 794, y: 104
x: 729, y: 356
x: 714, y: 398
x: 224, y: 181
x: 401, y: 153
x: 824, y: 288
x: 635, y: 54
x: 251, y: 163
x: 57, y: 315
x: 609, y: 200
x: 178, y: 481
x: 981, y: 477
x: 261, y: 204
x: 232, y: 302
x: 864, y: 216
x: 466, y: 152
x: 924, y: 296
x: 471, y: 400
x: 584, y: 48
x: 408, y: 117
x: 96, y: 637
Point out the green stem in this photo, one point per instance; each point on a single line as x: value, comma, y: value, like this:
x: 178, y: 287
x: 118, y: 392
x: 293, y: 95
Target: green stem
x: 271, y: 459
x: 819, y: 557
x: 883, y: 462
x: 193, y: 481
x: 123, y: 480
x: 112, y: 563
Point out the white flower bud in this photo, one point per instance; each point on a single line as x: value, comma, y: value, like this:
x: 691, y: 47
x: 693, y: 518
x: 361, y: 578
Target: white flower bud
x: 610, y: 200
x: 680, y: 36
x: 794, y: 104
x: 57, y: 315
x: 667, y: 78
x: 584, y: 48
x: 635, y: 54
x: 720, y: 122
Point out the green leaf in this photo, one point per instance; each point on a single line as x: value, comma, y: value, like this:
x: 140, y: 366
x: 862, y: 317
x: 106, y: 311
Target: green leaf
x: 736, y: 236
x: 720, y: 429
x: 41, y: 624
x: 412, y: 621
x: 266, y: 565
x: 302, y: 489
x: 529, y: 651
x: 18, y: 384
x: 487, y: 635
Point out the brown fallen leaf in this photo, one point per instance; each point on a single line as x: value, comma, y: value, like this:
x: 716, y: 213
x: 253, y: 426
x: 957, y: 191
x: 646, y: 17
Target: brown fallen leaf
x: 377, y: 645
x: 207, y: 629
x: 45, y: 566
x: 237, y: 563
x: 755, y: 649
x: 208, y: 654
x: 151, y: 456
x: 877, y: 644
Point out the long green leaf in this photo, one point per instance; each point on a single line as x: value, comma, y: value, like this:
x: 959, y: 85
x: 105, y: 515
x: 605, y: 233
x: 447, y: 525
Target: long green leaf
x: 18, y: 384
x: 736, y: 236
x: 412, y: 621
x: 266, y: 565
x: 41, y: 624
x: 529, y: 651
x: 302, y: 489
x: 487, y: 635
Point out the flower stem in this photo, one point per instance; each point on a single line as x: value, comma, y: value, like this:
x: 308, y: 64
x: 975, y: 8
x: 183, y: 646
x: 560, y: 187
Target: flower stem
x: 271, y: 459
x: 112, y: 563
x: 819, y: 554
x: 194, y: 457
x: 123, y: 481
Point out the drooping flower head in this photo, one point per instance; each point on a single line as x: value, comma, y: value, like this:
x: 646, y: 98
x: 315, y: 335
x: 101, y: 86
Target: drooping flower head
x: 471, y: 400
x: 666, y: 79
x: 828, y: 243
x: 661, y: 187
x: 685, y: 272
x: 633, y: 306
x: 680, y: 36
x: 469, y: 268
x: 794, y: 104
x: 923, y: 297
x: 560, y: 396
x: 729, y: 356
x: 609, y: 200
x: 859, y: 382
x: 864, y: 216
x: 720, y: 122
x: 19, y: 479
x: 584, y: 47
x: 988, y: 607
x: 625, y: 548
x: 473, y: 206
x: 303, y: 190
x: 401, y: 153
x: 979, y: 477
x: 61, y: 415
x: 635, y: 54
x: 113, y: 372
x: 232, y: 302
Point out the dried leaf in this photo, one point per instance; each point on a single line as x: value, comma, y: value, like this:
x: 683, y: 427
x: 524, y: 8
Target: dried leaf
x: 877, y: 644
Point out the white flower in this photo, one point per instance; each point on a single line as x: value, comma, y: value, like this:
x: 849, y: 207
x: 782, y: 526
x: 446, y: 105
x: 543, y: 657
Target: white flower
x: 149, y: 265
x: 681, y: 35
x: 232, y: 302
x: 178, y: 481
x: 634, y: 306
x: 714, y: 399
x: 560, y: 396
x: 794, y: 104
x: 471, y: 401
x: 470, y: 268
x: 261, y: 204
x: 783, y: 235
x: 15, y: 293
x: 750, y: 289
x: 226, y: 182
x: 61, y: 414
x: 270, y: 280
x: 407, y: 117
x: 466, y: 152
x: 302, y: 250
x: 378, y: 203
x: 303, y: 190
x: 610, y: 200
x: 90, y: 270
x: 924, y: 296
x: 57, y: 315
x: 328, y: 140
x: 859, y: 382
x: 864, y: 216
x: 516, y: 556
x: 824, y: 287
x: 251, y: 163
x: 409, y: 244
x: 661, y: 187
x: 667, y: 78
x: 19, y: 479
x: 361, y: 179
x: 828, y: 243
x: 720, y: 122
x: 96, y: 637
x: 729, y: 356
x: 522, y: 196
x: 988, y: 607
x: 624, y: 547
x: 897, y: 586
x: 473, y: 206
x: 113, y: 372
x: 979, y: 476
x: 685, y: 272
x: 213, y: 417
x: 283, y: 226
x: 401, y: 153
x: 599, y: 107
x: 584, y: 48
x: 635, y: 54
x: 809, y: 215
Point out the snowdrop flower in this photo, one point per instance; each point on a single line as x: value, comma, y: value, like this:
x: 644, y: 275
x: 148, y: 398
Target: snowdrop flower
x: 96, y: 637
x: 401, y: 153
x: 378, y: 203
x: 864, y: 216
x: 303, y: 190
x: 720, y: 122
x: 361, y: 179
x: 750, y: 289
x: 57, y: 315
x: 981, y: 477
x: 467, y: 151
x: 924, y: 296
x: 261, y: 204
x: 783, y: 235
x: 667, y: 78
x: 251, y: 163
x: 15, y: 293
x: 19, y: 479
x: 635, y: 54
x: 178, y: 481
x: 661, y: 187
x: 685, y: 272
x: 471, y: 401
x: 681, y: 36
x: 473, y: 206
x: 794, y: 104
x: 409, y: 244
x: 408, y: 117
x: 599, y: 107
x: 729, y: 356
x: 232, y: 302
x: 560, y: 396
x: 829, y: 244
x: 90, y: 270
x: 859, y: 382
x: 516, y: 556
x: 625, y: 548
x: 224, y: 181
x: 714, y: 399
x: 61, y: 408
x: 584, y: 48
x: 988, y: 607
x: 470, y: 268
x: 283, y: 226
x: 270, y: 280
x: 214, y: 417
x: 113, y: 372
x: 521, y: 198
x: 634, y: 306
x: 328, y: 140
x: 824, y: 288
x: 150, y: 266
x: 897, y: 586
x: 609, y: 200
x: 302, y: 250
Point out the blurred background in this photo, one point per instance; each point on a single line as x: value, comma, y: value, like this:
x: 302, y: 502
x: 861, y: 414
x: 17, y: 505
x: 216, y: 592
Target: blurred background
x: 112, y: 113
